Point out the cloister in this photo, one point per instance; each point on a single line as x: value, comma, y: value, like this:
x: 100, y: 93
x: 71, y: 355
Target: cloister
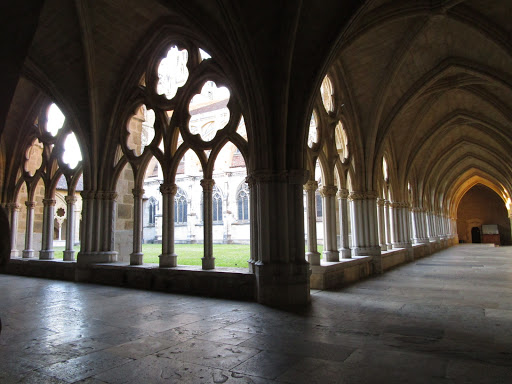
x: 361, y: 126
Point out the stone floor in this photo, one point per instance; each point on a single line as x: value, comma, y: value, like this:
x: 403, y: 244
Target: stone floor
x: 443, y: 319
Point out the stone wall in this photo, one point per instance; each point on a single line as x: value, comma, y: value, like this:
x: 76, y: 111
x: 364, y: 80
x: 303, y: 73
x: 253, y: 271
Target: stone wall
x: 481, y: 206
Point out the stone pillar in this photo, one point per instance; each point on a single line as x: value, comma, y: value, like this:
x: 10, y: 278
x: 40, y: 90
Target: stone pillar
x: 382, y: 224
x: 365, y: 227
x: 109, y: 221
x: 344, y: 250
x: 14, y: 208
x: 328, y: 194
x: 419, y: 235
x: 69, y: 253
x: 168, y: 258
x: 282, y: 273
x: 254, y: 229
x: 208, y: 261
x: 401, y: 233
x: 387, y: 213
x: 136, y: 255
x: 46, y: 252
x: 312, y: 255
x: 97, y: 240
x: 28, y: 252
x: 87, y: 221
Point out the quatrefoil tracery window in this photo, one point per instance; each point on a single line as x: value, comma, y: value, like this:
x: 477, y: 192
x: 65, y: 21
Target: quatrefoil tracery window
x: 181, y: 95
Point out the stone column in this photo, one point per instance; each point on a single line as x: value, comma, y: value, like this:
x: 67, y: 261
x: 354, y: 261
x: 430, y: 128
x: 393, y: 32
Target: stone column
x: 168, y: 258
x: 208, y: 261
x: 416, y: 222
x: 328, y: 194
x: 382, y: 224
x: 136, y: 255
x: 401, y: 233
x: 69, y: 253
x: 87, y: 221
x: 344, y: 250
x: 97, y: 239
x: 396, y: 223
x: 281, y: 272
x: 365, y: 227
x: 387, y: 213
x: 253, y: 227
x: 109, y: 222
x: 312, y: 255
x: 14, y: 208
x: 28, y: 252
x: 46, y: 252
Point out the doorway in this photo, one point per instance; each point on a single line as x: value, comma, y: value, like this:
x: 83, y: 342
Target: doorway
x: 475, y: 235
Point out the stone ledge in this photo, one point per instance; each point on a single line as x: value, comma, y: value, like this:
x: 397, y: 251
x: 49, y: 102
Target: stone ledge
x: 230, y: 283
x: 337, y: 274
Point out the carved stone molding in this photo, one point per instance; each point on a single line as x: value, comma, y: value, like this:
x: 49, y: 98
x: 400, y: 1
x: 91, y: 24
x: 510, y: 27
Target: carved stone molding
x: 311, y: 185
x: 380, y: 202
x: 13, y: 206
x: 294, y: 176
x: 30, y: 204
x: 168, y: 189
x: 49, y: 202
x: 138, y: 192
x: 328, y: 190
x: 343, y: 193
x: 88, y: 195
x: 399, y: 204
x: 360, y: 195
x: 70, y: 199
x: 207, y: 184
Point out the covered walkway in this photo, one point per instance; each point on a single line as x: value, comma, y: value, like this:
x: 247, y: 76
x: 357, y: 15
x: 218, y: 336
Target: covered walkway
x: 446, y: 318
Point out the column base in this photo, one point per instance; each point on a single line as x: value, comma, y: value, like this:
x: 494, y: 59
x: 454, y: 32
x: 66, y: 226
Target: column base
x: 390, y: 246
x: 383, y: 247
x: 421, y: 241
x: 136, y: 258
x: 282, y: 285
x: 27, y: 253
x: 84, y: 258
x: 313, y: 258
x: 346, y: 253
x: 168, y: 260
x: 15, y: 253
x: 69, y: 255
x: 208, y: 263
x: 46, y: 254
x: 331, y: 256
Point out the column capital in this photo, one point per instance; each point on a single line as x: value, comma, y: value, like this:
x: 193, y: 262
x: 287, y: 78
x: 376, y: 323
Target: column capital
x: 311, y: 185
x: 328, y: 190
x: 380, y: 202
x: 88, y: 195
x: 417, y: 209
x: 30, y: 204
x: 168, y: 189
x: 138, y: 192
x: 70, y: 199
x: 49, y: 202
x: 343, y: 193
x: 292, y: 176
x: 106, y: 195
x: 399, y: 204
x: 13, y: 206
x: 207, y: 184
x: 363, y: 195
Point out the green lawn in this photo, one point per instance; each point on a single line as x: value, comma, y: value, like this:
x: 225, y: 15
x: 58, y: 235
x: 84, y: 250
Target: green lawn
x: 226, y: 255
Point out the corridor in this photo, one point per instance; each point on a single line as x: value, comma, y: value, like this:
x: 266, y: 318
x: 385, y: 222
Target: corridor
x: 446, y: 318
